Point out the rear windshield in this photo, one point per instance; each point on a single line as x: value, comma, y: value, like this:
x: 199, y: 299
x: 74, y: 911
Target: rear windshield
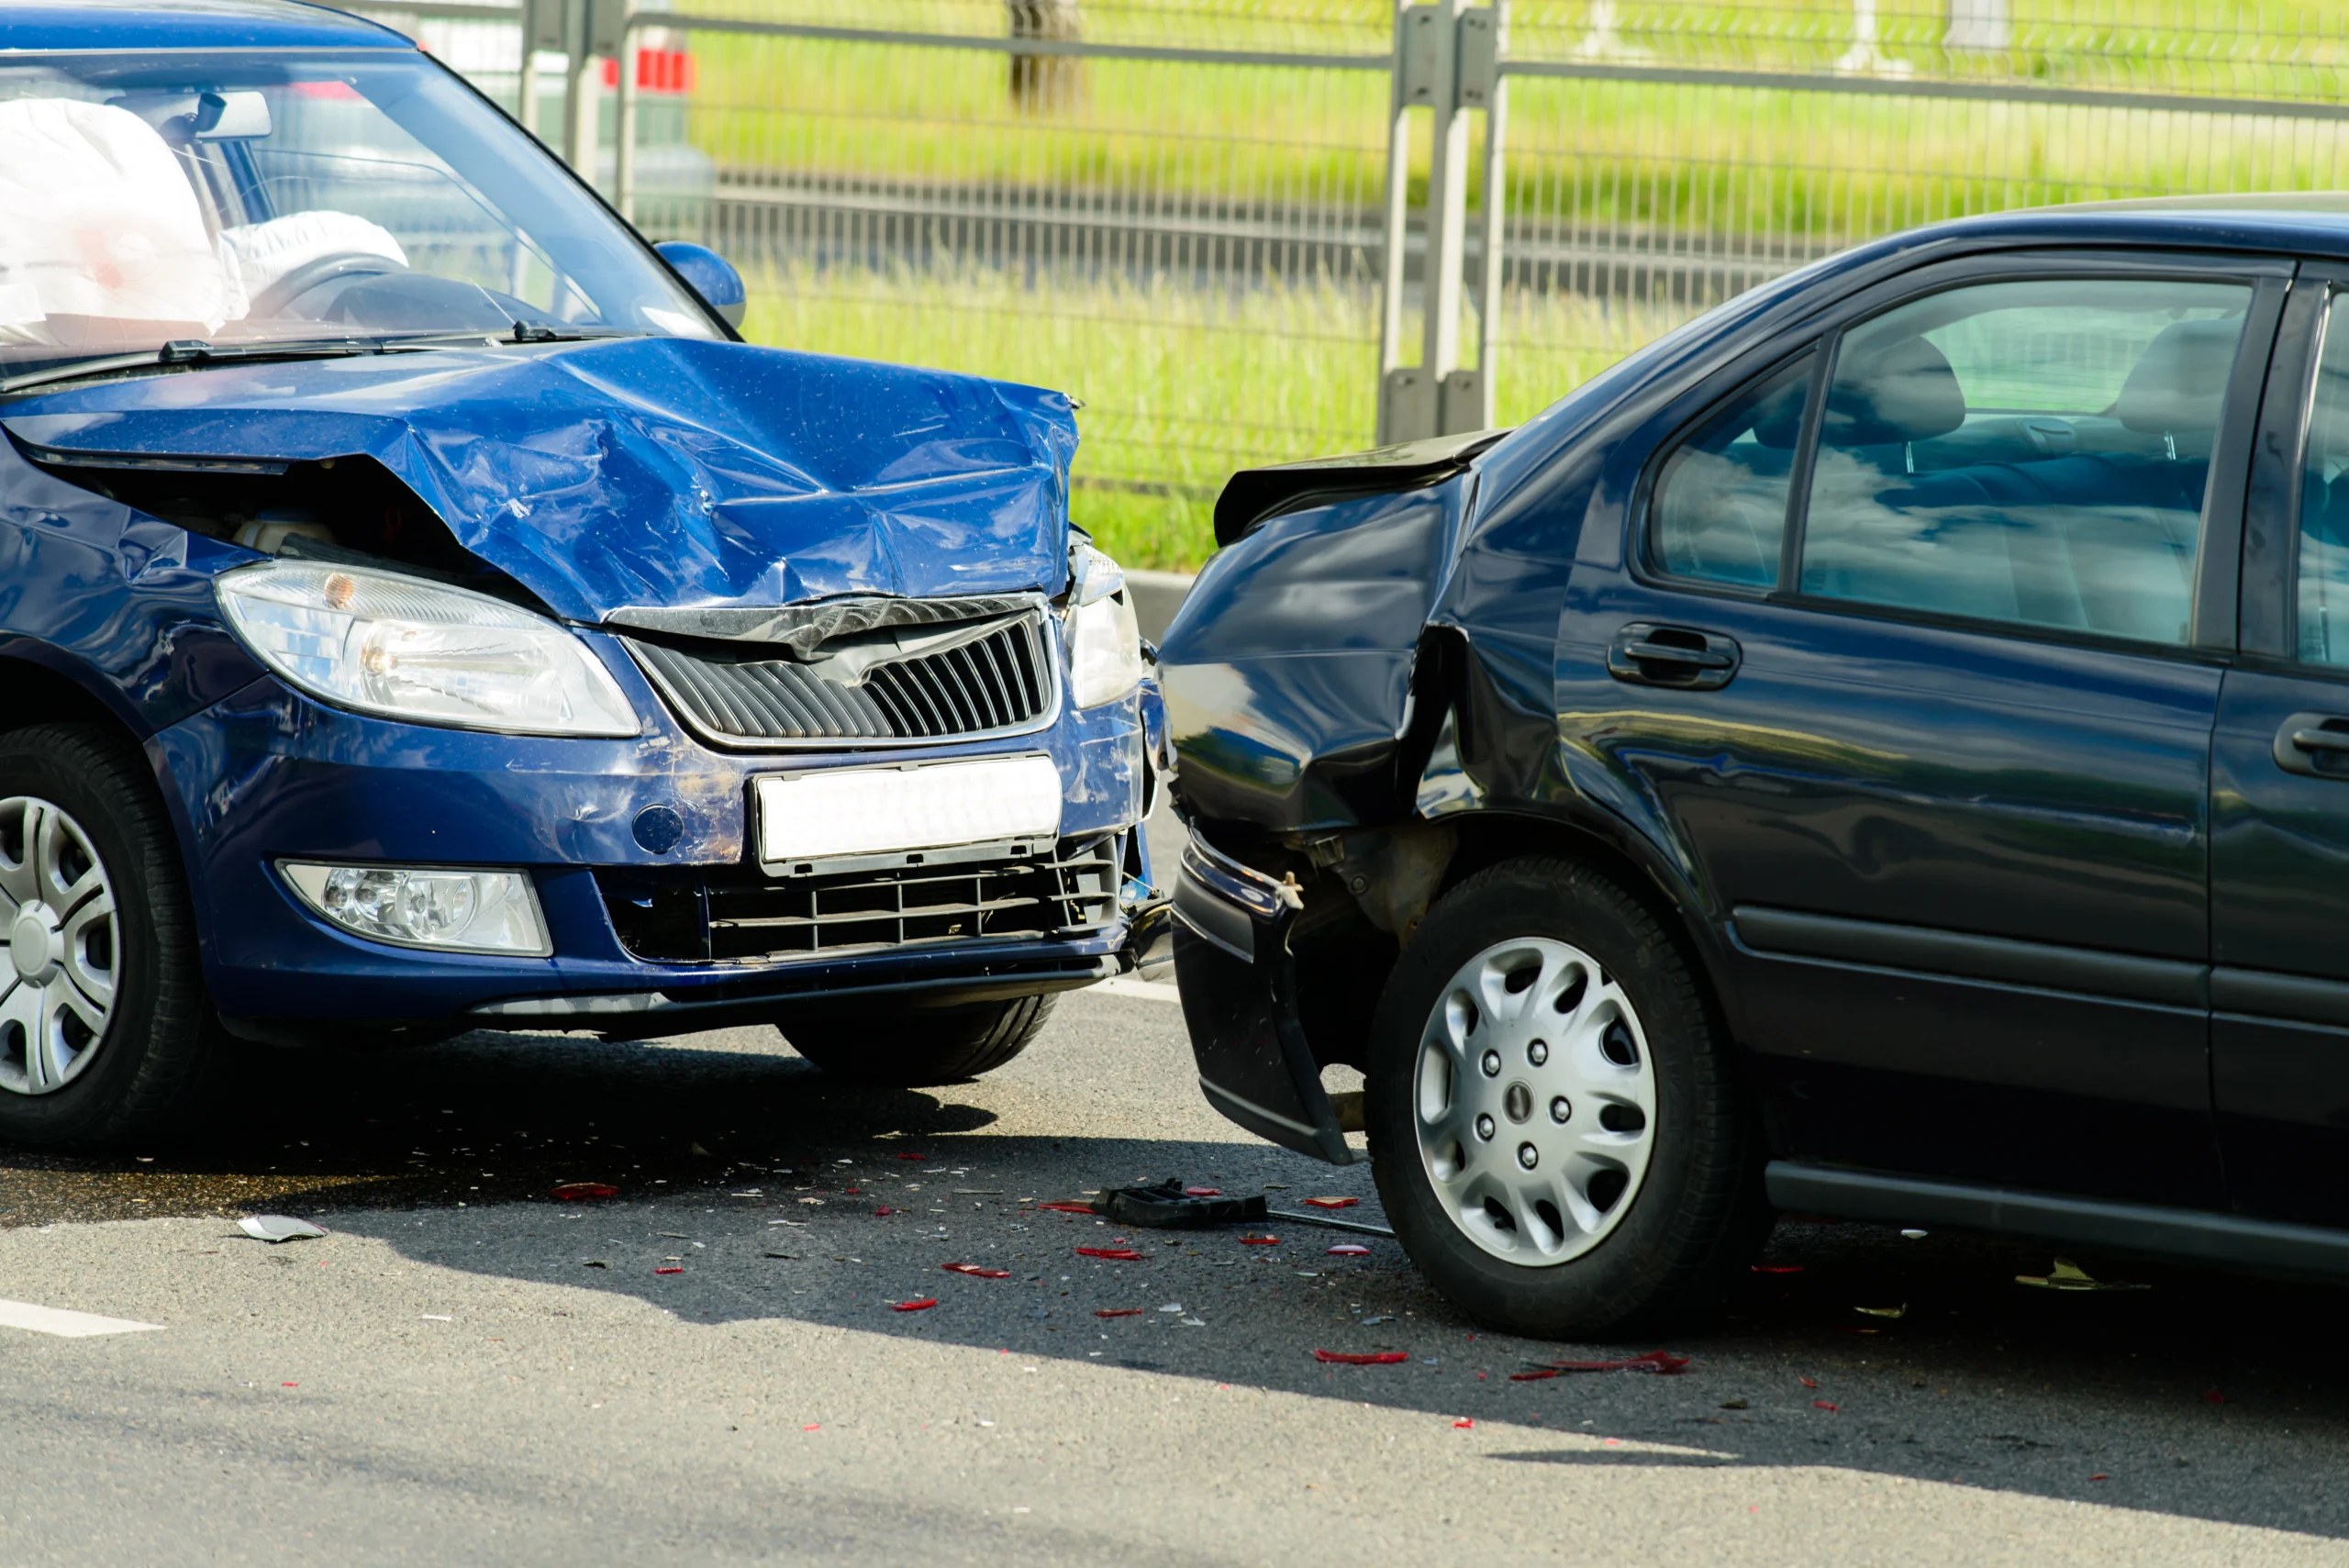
x: 232, y: 199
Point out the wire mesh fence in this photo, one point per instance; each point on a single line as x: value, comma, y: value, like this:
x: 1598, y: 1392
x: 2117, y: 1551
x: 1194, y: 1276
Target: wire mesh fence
x: 1177, y: 210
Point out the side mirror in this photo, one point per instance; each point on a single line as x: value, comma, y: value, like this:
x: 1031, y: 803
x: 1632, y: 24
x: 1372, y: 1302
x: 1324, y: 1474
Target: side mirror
x: 712, y: 276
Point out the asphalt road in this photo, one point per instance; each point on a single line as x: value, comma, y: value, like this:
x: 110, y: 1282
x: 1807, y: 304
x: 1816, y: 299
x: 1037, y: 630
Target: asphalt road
x: 466, y: 1371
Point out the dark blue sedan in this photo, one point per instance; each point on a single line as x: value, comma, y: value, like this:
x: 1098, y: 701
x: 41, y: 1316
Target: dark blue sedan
x: 419, y: 611
x: 1880, y: 752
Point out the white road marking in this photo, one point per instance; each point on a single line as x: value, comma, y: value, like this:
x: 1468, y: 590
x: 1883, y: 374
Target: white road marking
x: 1150, y: 990
x: 67, y: 1325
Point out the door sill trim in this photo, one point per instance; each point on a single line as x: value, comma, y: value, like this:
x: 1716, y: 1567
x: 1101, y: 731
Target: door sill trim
x: 2182, y: 1235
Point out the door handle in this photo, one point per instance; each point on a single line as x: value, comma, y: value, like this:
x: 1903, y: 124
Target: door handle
x: 2315, y: 745
x: 1647, y: 654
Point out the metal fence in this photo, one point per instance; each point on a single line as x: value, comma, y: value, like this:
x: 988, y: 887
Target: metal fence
x: 1246, y: 230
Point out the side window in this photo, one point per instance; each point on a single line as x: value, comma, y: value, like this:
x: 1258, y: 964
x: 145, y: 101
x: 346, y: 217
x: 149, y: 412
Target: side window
x: 2031, y: 452
x: 1718, y: 510
x: 2324, y: 504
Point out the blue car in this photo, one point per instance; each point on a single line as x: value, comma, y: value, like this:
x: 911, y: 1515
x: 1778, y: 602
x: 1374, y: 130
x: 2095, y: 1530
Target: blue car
x: 1881, y: 752
x: 420, y: 611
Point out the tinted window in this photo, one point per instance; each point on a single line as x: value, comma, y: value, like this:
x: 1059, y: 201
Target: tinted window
x: 2031, y: 452
x: 2324, y: 504
x: 1720, y: 507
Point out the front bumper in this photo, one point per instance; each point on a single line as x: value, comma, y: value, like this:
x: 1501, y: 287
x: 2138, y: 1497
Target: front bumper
x: 268, y: 775
x: 1238, y: 985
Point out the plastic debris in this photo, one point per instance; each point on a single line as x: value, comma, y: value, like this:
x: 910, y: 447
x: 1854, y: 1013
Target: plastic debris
x: 1823, y: 1405
x: 1899, y: 1311
x: 1463, y: 1425
x: 1777, y: 1268
x: 1115, y: 1254
x: 1349, y: 1250
x: 668, y: 1269
x: 2068, y: 1275
x: 793, y: 1256
x: 1256, y: 1241
x: 884, y: 1212
x: 593, y: 1264
x: 1071, y: 1208
x: 276, y: 1228
x: 1303, y: 1216
x: 1171, y: 1205
x: 2099, y: 1475
x: 1734, y: 1405
x: 1172, y: 1307
x: 913, y: 1156
x: 1534, y: 1376
x: 584, y: 1192
x: 1192, y: 1322
x: 1662, y: 1363
x: 975, y: 1271
x: 695, y: 1147
x: 1331, y: 1202
x: 1914, y: 1235
x: 1809, y: 1382
x: 924, y: 1305
x: 1119, y: 1312
x: 1372, y: 1358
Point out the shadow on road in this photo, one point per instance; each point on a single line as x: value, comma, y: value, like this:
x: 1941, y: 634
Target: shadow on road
x: 2206, y: 1395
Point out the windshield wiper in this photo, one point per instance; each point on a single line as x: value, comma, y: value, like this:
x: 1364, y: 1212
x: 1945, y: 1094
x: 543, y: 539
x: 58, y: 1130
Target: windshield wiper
x: 196, y: 351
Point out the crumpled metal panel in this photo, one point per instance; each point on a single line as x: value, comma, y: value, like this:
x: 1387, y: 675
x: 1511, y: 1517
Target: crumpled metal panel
x: 649, y: 473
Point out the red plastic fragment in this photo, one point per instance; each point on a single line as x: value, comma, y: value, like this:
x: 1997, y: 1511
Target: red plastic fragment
x: 1777, y: 1268
x: 1070, y: 1207
x: 1534, y: 1376
x: 1119, y: 1312
x: 884, y: 1212
x: 672, y: 1270
x: 812, y: 1426
x: 1331, y: 1202
x: 1463, y: 1425
x: 852, y: 1192
x: 913, y: 1156
x: 1808, y: 1383
x: 1202, y: 1192
x: 1375, y: 1358
x: 924, y: 1305
x: 289, y: 1385
x: 1259, y: 1240
x: 1115, y: 1254
x: 1349, y: 1250
x: 2100, y: 1476
x: 584, y: 1192
x: 1823, y: 1405
x: 975, y: 1271
x: 1662, y: 1363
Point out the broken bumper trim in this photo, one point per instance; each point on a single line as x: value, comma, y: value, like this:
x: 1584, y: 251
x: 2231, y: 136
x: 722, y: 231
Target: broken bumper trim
x: 1238, y: 985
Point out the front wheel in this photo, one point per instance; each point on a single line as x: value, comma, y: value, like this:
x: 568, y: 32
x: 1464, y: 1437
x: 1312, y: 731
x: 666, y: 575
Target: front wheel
x: 913, y: 1048
x: 1554, y: 1124
x: 104, y: 1035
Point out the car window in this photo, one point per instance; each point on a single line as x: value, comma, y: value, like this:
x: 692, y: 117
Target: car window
x: 1718, y: 510
x: 2324, y: 504
x: 2033, y: 453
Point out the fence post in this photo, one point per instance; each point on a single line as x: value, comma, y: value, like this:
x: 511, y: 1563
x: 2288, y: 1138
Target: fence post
x: 1484, y: 40
x: 624, y: 136
x: 545, y: 27
x: 1445, y: 59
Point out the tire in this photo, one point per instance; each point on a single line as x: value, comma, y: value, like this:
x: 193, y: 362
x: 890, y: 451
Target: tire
x: 79, y: 812
x: 914, y: 1047
x: 1587, y: 1049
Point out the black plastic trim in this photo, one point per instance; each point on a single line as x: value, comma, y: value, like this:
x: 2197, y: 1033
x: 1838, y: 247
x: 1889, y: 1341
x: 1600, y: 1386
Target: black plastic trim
x: 1791, y: 933
x: 1254, y: 495
x: 2185, y: 1235
x: 2257, y: 994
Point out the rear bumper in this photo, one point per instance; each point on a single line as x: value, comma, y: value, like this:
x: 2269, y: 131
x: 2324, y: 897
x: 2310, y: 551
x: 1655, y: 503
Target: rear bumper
x: 1239, y: 985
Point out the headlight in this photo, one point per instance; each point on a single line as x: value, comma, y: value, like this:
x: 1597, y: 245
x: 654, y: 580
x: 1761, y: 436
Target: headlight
x: 411, y: 649
x: 1104, y: 643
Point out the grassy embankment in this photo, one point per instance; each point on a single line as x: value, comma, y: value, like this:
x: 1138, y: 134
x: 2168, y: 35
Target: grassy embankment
x: 1184, y: 380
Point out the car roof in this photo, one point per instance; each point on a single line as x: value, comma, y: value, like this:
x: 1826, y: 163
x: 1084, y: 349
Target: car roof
x: 81, y: 27
x: 2311, y: 223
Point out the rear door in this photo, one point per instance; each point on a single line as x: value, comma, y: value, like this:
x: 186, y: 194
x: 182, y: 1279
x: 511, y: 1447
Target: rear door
x: 2281, y: 795
x: 1947, y: 784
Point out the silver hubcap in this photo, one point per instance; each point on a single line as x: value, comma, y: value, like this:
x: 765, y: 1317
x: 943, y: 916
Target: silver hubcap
x: 57, y: 909
x: 1536, y: 1101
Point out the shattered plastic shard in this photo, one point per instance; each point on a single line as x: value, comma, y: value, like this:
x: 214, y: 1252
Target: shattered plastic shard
x: 975, y: 1271
x: 1463, y: 1425
x: 1259, y: 1240
x: 1070, y: 1207
x: 1331, y: 1202
x: 924, y: 1305
x: 1914, y: 1235
x: 1534, y: 1376
x: 1777, y: 1268
x: 913, y: 1156
x: 1202, y: 1192
x: 1349, y: 1250
x: 1119, y: 1312
x: 671, y: 1270
x: 276, y: 1228
x: 1823, y: 1405
x: 1375, y: 1358
x: 1662, y: 1363
x: 584, y: 1192
x: 1115, y: 1254
x: 2068, y: 1275
x: 1899, y: 1311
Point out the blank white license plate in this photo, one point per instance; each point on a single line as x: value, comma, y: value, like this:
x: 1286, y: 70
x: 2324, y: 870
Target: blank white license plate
x: 841, y: 812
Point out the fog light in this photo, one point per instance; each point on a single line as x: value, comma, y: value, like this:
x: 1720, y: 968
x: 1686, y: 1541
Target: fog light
x: 425, y: 907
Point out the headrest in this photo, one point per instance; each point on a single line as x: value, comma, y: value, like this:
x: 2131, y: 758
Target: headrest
x: 2178, y: 380
x: 1904, y: 391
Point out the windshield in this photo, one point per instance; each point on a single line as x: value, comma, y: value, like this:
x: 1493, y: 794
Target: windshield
x: 268, y: 197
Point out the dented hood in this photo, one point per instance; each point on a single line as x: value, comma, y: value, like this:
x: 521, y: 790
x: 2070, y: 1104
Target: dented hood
x: 647, y: 472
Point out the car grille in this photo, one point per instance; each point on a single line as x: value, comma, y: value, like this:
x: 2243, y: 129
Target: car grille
x: 993, y: 683
x: 737, y: 915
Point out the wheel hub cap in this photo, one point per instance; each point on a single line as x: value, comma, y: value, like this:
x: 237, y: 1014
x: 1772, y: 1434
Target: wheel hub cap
x: 1581, y: 1104
x: 57, y: 906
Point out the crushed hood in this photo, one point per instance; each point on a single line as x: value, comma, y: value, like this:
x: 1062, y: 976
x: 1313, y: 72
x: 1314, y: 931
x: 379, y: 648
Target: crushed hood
x: 647, y: 473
